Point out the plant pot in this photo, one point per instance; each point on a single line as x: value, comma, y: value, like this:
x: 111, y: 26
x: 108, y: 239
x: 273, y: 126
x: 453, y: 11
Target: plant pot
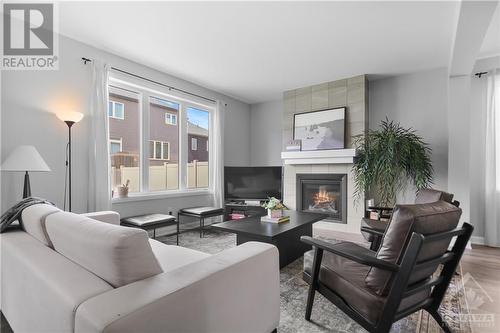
x: 274, y: 213
x: 122, y: 191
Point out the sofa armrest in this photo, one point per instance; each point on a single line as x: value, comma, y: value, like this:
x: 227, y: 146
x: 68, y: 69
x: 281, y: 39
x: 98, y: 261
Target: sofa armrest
x: 107, y: 216
x: 236, y: 290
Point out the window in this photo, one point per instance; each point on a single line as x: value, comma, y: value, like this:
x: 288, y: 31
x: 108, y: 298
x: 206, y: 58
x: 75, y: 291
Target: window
x: 159, y: 146
x: 164, y: 162
x: 124, y: 138
x: 115, y: 145
x: 170, y: 119
x: 198, y: 125
x: 116, y: 110
x: 159, y: 150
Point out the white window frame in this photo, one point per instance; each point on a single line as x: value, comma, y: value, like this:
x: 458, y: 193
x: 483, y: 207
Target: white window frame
x: 119, y: 141
x: 194, y: 144
x: 113, y: 109
x: 146, y: 90
x: 172, y: 117
x: 206, y: 142
x: 162, y: 157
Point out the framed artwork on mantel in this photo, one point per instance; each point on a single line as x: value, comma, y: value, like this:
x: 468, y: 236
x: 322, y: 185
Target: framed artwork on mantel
x: 320, y: 130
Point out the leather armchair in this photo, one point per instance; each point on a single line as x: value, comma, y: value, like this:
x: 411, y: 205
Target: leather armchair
x: 378, y: 288
x: 373, y: 229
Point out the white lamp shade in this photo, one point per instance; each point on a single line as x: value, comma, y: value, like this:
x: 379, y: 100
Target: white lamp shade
x: 70, y: 116
x: 24, y: 158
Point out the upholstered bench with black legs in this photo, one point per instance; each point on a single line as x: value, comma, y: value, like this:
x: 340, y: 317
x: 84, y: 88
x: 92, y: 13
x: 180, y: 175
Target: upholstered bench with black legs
x: 151, y: 222
x: 200, y: 213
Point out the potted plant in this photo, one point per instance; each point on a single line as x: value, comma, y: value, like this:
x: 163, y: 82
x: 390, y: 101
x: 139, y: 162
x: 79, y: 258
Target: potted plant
x: 274, y: 208
x: 388, y: 159
x: 123, y: 189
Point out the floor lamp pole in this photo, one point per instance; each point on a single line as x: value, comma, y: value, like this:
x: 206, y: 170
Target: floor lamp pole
x: 69, y: 123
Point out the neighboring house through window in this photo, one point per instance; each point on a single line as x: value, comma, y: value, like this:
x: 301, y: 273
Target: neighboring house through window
x: 194, y: 144
x: 116, y: 110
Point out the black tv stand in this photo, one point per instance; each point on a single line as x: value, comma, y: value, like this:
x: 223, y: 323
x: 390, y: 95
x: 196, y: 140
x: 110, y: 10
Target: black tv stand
x: 241, y: 207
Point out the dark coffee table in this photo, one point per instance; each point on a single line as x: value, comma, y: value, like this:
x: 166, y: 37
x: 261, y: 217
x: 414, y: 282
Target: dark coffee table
x: 285, y: 236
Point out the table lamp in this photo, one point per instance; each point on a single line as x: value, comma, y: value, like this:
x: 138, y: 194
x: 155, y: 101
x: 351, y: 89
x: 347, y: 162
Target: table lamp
x: 70, y: 118
x: 25, y: 159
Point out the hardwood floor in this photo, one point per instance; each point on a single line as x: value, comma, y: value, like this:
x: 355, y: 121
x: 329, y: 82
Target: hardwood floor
x: 481, y: 274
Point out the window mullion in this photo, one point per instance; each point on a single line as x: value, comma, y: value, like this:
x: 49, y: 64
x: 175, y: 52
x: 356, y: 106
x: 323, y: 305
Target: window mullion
x: 183, y: 145
x: 144, y: 142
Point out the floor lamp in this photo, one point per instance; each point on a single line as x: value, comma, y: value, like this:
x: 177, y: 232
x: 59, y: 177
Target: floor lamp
x: 25, y: 159
x: 70, y: 118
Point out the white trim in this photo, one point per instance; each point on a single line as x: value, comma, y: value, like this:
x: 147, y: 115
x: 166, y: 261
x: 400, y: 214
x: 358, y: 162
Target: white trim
x: 168, y: 95
x: 478, y: 240
x: 194, y: 144
x: 157, y: 195
x: 338, y: 156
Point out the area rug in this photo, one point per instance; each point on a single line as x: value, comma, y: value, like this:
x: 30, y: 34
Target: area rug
x: 325, y: 316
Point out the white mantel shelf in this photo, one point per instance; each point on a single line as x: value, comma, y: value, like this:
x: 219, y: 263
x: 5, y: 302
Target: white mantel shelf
x: 338, y: 156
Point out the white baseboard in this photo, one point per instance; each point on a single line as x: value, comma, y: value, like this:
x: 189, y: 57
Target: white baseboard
x: 477, y: 240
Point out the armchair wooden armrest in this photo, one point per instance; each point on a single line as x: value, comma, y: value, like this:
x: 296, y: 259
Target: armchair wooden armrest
x: 352, y: 252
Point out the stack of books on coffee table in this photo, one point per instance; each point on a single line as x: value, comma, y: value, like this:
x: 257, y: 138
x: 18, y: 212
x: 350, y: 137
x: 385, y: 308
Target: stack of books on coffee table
x: 275, y: 220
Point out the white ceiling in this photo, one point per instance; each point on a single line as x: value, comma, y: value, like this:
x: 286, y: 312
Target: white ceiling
x: 255, y: 51
x: 491, y: 42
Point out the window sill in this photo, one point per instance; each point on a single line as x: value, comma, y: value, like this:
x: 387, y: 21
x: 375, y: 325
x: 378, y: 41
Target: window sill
x: 160, y: 195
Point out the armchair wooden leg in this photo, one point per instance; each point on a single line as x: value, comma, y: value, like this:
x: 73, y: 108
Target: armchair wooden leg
x: 318, y: 255
x: 437, y: 317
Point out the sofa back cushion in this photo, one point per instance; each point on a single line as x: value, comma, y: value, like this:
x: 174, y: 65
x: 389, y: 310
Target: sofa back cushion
x: 425, y: 219
x: 33, y: 221
x: 428, y: 195
x: 119, y: 255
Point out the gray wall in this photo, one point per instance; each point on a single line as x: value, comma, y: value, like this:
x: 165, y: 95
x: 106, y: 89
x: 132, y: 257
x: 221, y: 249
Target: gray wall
x: 459, y: 142
x: 31, y: 98
x: 265, y: 137
x: 420, y: 101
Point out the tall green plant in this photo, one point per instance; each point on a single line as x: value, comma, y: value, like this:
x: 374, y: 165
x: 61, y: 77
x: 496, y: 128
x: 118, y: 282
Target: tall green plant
x: 388, y: 159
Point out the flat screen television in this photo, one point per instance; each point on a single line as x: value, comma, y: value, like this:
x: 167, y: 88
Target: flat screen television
x: 252, y: 183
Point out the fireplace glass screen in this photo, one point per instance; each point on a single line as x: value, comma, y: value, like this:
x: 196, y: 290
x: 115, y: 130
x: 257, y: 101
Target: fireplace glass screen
x: 323, y: 193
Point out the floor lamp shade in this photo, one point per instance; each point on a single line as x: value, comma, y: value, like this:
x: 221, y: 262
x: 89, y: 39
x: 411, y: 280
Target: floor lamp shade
x: 25, y: 159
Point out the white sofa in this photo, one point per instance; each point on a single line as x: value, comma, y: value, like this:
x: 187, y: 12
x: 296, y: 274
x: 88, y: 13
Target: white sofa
x: 71, y: 273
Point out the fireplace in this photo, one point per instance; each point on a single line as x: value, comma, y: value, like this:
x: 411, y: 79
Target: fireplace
x: 323, y: 193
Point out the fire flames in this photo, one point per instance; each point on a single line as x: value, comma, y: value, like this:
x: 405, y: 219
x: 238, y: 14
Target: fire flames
x: 323, y: 196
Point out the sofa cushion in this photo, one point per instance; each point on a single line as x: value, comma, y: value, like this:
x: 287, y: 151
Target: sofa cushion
x: 33, y: 221
x: 347, y: 279
x: 425, y: 219
x: 41, y: 289
x: 172, y: 257
x: 119, y: 255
